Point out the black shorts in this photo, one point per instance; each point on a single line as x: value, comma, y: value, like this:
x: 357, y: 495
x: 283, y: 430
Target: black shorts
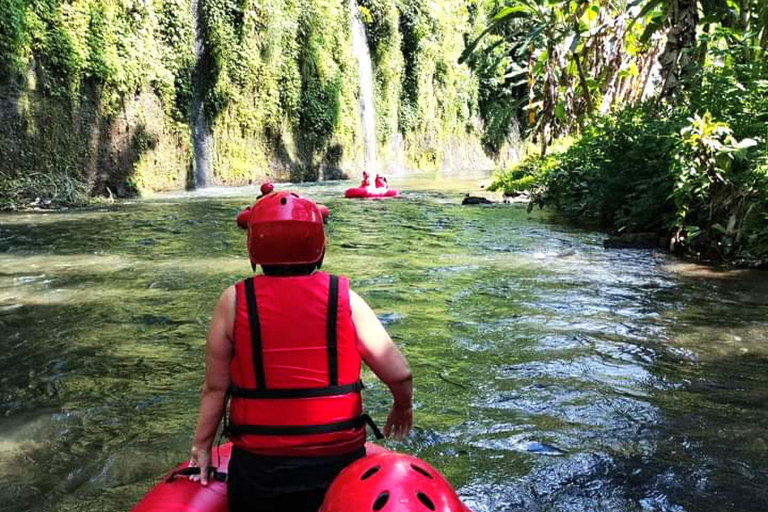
x: 281, y: 484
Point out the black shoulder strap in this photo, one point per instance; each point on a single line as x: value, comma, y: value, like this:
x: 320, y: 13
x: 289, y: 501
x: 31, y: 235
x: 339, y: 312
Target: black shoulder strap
x: 330, y: 331
x: 253, y: 320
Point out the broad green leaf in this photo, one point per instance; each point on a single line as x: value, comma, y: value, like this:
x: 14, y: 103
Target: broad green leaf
x: 516, y: 11
x: 647, y: 8
x: 653, y: 26
x: 590, y: 15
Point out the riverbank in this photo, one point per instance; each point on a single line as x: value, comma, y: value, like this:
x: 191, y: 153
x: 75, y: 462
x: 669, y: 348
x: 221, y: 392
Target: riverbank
x: 696, y: 185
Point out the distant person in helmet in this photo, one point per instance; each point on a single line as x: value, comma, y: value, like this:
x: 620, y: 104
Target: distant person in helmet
x: 380, y: 182
x: 286, y: 345
x: 366, y: 180
x: 391, y: 482
x: 266, y: 188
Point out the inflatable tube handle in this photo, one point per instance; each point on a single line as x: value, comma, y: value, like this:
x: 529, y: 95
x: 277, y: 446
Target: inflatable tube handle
x: 217, y: 475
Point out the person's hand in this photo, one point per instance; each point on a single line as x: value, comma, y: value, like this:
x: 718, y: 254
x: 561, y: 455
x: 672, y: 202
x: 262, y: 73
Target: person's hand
x: 201, y: 458
x: 399, y: 421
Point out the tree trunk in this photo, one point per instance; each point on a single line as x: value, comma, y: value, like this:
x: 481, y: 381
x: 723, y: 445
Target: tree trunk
x: 549, y: 96
x: 762, y: 23
x: 583, y: 83
x: 682, y: 18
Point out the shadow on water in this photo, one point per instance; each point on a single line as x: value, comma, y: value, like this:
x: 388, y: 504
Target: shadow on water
x: 551, y: 374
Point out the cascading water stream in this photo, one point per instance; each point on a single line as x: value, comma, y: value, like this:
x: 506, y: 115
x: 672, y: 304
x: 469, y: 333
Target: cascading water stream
x: 365, y: 72
x: 202, y: 138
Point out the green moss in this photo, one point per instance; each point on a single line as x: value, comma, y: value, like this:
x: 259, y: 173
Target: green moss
x: 84, y: 74
x: 278, y: 78
x: 279, y: 74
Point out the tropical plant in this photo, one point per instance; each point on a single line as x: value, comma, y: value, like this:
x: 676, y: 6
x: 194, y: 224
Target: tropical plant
x: 576, y: 58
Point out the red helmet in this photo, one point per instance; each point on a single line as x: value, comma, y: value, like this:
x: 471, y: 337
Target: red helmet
x: 391, y: 482
x: 267, y: 187
x: 285, y: 229
x: 242, y: 218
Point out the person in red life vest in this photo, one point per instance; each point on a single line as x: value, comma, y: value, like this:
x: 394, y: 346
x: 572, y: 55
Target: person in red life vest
x: 286, y: 346
x: 266, y: 188
x: 366, y: 180
x: 380, y: 182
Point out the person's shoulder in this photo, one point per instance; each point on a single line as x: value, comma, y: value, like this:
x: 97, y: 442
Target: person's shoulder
x: 338, y: 275
x: 229, y: 293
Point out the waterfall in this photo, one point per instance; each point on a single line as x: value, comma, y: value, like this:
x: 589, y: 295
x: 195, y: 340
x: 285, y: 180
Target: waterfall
x: 365, y: 73
x: 202, y: 138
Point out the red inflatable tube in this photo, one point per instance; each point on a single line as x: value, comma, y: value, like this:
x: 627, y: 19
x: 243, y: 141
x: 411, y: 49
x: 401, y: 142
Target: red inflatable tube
x: 176, y: 493
x: 370, y: 192
x: 180, y: 494
x: 324, y: 211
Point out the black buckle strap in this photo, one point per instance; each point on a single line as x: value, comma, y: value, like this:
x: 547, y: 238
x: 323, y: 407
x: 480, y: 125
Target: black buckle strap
x: 303, y: 430
x: 345, y: 389
x: 375, y: 428
x: 295, y: 430
x: 213, y: 472
x: 330, y: 331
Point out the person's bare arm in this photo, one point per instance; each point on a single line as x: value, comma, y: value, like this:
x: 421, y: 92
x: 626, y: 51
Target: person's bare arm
x: 382, y: 356
x: 218, y: 353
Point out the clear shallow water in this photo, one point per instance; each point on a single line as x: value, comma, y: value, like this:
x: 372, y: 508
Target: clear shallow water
x: 551, y: 374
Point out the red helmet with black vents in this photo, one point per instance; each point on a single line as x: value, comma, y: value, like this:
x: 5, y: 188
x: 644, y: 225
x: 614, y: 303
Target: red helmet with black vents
x: 391, y: 482
x: 284, y: 229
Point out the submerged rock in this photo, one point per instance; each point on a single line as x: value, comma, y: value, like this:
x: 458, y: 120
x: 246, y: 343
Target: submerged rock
x: 520, y: 197
x: 468, y: 199
x: 635, y: 241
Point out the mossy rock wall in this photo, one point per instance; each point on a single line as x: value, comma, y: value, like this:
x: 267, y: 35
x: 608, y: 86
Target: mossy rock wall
x: 280, y: 85
x: 99, y: 92
x: 61, y: 150
x: 93, y: 98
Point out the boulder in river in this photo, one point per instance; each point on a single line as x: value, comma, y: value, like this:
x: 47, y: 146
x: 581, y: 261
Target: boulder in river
x: 468, y: 199
x: 635, y: 241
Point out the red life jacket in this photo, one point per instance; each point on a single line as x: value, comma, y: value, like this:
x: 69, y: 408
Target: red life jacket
x: 295, y: 373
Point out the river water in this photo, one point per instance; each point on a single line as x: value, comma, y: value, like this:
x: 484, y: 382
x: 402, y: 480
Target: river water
x: 550, y: 374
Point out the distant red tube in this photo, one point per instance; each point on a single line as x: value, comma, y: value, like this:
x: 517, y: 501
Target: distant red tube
x: 361, y: 192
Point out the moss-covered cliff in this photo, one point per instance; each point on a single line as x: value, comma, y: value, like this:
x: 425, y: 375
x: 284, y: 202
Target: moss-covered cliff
x: 96, y: 96
x: 93, y: 97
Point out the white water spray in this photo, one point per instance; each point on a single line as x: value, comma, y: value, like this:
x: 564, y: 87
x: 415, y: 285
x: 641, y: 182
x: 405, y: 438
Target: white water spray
x: 365, y: 73
x: 202, y: 139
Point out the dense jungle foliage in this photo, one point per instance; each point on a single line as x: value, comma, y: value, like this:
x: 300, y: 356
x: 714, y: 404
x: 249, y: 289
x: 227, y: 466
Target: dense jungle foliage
x: 683, y: 152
